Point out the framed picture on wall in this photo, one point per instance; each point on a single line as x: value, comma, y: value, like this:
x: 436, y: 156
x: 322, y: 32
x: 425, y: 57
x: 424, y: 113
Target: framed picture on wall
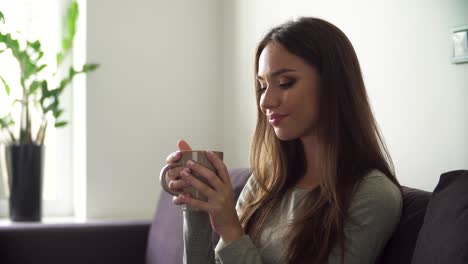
x: 460, y: 44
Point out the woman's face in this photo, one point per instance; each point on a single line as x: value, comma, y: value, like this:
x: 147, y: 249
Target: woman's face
x: 289, y: 92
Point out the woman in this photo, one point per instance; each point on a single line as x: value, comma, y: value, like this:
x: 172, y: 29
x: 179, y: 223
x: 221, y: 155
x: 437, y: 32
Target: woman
x: 322, y: 189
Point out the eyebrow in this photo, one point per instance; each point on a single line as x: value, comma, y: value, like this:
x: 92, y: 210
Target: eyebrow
x: 276, y: 73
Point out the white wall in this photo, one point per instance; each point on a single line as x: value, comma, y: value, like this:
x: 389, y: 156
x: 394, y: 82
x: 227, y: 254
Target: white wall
x: 159, y: 81
x: 418, y: 96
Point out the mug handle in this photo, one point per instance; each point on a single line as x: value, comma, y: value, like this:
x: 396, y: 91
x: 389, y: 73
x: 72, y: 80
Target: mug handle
x: 162, y: 178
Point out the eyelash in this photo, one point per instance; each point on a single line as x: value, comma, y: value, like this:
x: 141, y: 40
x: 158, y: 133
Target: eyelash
x: 283, y: 86
x: 261, y: 90
x: 287, y: 84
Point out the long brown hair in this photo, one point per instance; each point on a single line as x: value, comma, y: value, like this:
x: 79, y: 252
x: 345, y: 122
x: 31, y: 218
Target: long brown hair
x: 350, y: 145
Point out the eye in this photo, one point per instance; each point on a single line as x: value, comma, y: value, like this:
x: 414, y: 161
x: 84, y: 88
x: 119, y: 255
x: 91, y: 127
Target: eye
x: 262, y: 86
x: 261, y: 90
x: 287, y: 83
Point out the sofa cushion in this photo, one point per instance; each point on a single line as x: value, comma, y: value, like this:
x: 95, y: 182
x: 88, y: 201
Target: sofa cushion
x: 443, y: 238
x: 400, y: 247
x: 165, y: 240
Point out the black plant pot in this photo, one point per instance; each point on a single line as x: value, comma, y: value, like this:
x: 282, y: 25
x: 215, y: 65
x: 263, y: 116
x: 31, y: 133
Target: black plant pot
x: 24, y: 164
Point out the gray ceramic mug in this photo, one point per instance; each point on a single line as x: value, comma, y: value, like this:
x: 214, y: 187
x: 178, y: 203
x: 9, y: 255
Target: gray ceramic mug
x: 198, y: 156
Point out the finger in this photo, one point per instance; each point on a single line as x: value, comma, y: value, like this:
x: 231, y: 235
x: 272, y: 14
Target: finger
x: 194, y: 203
x: 173, y: 157
x: 183, y: 145
x: 199, y: 185
x: 206, y: 173
x: 219, y: 166
x: 178, y: 185
x: 177, y: 200
x: 174, y: 173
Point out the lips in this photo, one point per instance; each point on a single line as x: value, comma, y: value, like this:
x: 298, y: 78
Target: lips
x: 275, y: 119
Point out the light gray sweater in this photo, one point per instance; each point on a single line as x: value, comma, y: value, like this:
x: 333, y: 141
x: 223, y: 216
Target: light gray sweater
x: 374, y: 214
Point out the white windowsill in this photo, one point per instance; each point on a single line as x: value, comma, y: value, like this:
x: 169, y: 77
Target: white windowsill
x: 46, y: 220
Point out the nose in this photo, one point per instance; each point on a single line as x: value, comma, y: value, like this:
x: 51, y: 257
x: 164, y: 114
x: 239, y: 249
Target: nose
x: 270, y: 99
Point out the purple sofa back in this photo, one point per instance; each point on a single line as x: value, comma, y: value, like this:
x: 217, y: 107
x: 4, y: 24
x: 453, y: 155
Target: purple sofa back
x: 165, y: 241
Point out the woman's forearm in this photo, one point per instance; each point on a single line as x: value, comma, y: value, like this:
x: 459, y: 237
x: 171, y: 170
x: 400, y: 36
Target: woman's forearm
x: 198, y: 245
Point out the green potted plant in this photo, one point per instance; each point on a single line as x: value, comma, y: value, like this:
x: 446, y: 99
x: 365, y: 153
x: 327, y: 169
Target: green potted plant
x: 24, y: 150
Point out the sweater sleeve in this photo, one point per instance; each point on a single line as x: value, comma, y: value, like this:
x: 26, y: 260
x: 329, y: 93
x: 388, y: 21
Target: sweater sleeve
x: 243, y: 250
x: 374, y: 214
x: 198, y: 247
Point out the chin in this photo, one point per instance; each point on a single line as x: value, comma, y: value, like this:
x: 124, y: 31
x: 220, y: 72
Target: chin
x: 285, y: 135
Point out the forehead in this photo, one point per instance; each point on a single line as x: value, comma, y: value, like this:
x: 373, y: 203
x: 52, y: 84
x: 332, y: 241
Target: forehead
x: 275, y: 57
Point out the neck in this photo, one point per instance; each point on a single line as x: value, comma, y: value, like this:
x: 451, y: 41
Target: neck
x: 311, y: 177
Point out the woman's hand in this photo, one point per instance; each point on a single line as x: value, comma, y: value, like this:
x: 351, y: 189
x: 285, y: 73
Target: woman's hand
x: 176, y: 184
x: 220, y: 205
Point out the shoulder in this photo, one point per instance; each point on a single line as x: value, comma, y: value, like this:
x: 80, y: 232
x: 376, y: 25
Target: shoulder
x: 376, y: 197
x: 376, y: 186
x: 373, y: 216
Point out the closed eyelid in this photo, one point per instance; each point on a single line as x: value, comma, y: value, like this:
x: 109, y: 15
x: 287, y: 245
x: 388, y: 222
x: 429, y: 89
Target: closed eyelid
x: 284, y: 79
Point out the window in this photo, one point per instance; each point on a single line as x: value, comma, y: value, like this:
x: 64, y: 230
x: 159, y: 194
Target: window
x: 41, y: 20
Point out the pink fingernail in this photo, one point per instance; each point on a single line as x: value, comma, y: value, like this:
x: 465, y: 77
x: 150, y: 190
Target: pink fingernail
x: 190, y: 163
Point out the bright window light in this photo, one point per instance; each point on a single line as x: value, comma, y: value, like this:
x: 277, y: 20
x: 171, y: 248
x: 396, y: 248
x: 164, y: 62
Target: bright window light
x: 39, y: 20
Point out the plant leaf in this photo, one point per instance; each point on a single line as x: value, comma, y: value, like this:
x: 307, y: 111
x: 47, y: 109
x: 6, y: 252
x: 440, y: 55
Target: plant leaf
x: 41, y: 67
x: 71, y: 73
x: 61, y: 124
x: 63, y: 83
x: 44, y: 90
x: 9, y: 121
x: 7, y: 87
x: 89, y: 67
x: 34, y: 86
x: 12, y: 44
x: 70, y: 31
x: 58, y: 113
x: 2, y: 18
x: 71, y: 24
x: 54, y: 92
x: 3, y: 123
x: 59, y: 58
x: 36, y: 45
x: 67, y: 80
x: 29, y: 68
x: 6, y: 121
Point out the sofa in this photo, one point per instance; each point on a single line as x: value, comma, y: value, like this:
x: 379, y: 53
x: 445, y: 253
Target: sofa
x: 433, y: 229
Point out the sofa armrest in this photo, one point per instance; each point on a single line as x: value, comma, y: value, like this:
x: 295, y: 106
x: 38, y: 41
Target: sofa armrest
x: 101, y: 242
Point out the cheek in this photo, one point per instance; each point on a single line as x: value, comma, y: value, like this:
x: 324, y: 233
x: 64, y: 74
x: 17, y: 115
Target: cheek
x: 260, y: 104
x: 309, y: 109
x: 309, y: 114
x: 314, y: 100
x: 315, y: 106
